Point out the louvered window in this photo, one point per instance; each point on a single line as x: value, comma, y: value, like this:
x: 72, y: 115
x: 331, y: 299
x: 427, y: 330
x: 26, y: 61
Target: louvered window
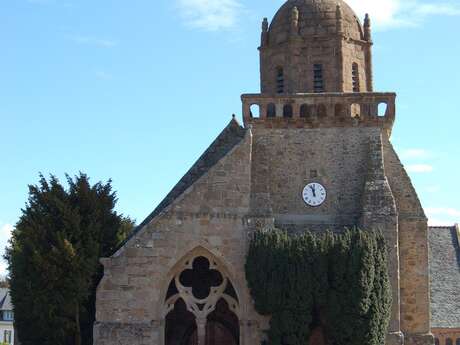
x: 318, y: 81
x: 279, y: 80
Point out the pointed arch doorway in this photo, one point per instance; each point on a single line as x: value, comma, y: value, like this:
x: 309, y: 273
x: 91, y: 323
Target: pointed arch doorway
x: 201, y: 305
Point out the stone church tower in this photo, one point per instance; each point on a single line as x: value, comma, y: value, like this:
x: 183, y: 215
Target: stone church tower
x: 313, y: 153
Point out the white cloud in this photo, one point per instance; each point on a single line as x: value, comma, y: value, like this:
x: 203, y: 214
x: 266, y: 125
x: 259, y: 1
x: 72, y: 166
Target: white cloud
x: 398, y: 13
x: 94, y: 41
x: 415, y: 158
x: 445, y: 211
x: 5, y: 235
x: 439, y: 222
x: 438, y: 9
x: 382, y: 12
x: 442, y: 216
x: 419, y: 168
x: 210, y: 15
x: 414, y: 153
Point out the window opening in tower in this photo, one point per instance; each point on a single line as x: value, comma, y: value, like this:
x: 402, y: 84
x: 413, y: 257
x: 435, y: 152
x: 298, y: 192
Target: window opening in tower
x: 318, y: 82
x: 279, y: 80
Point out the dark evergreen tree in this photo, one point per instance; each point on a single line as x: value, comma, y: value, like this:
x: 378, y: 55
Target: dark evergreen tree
x: 54, y: 256
x: 337, y: 281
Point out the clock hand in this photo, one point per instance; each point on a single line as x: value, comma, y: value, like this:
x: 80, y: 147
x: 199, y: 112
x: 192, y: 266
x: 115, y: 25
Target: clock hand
x: 313, y: 189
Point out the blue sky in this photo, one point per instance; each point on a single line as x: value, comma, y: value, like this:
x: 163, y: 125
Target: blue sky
x: 136, y: 91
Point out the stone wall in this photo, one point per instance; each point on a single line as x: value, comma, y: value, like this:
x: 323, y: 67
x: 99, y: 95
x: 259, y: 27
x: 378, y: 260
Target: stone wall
x: 335, y: 157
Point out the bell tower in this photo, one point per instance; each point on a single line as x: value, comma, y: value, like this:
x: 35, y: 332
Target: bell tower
x: 321, y: 152
x: 316, y: 69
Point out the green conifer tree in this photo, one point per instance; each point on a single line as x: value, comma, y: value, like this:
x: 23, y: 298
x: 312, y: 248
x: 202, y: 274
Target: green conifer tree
x: 53, y: 259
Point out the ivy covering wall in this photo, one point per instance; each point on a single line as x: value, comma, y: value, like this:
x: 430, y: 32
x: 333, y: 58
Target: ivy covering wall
x: 338, y: 282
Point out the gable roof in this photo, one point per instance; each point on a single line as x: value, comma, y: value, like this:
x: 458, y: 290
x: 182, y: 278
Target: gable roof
x: 231, y: 136
x: 444, y: 261
x: 5, y: 299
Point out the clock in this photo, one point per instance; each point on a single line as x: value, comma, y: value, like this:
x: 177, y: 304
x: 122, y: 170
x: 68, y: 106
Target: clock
x: 314, y: 194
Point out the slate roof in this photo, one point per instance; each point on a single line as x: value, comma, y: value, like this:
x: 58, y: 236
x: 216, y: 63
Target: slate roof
x: 5, y: 299
x: 445, y: 277
x: 231, y: 136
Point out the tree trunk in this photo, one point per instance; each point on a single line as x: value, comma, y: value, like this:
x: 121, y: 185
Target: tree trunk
x: 77, y: 325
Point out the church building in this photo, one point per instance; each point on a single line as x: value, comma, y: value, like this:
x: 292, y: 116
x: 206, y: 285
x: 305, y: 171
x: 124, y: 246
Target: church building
x: 313, y: 153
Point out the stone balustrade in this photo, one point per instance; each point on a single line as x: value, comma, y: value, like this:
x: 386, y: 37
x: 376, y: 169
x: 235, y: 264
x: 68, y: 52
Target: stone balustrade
x: 320, y: 110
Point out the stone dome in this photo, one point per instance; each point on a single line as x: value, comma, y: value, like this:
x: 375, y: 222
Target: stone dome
x: 316, y: 18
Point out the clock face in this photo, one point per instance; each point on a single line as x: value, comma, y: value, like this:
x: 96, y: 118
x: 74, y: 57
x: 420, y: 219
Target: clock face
x: 314, y: 194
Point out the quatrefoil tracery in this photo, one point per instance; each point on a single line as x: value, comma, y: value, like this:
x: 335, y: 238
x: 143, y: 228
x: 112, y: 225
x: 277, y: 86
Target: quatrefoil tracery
x: 201, y: 279
x: 201, y: 285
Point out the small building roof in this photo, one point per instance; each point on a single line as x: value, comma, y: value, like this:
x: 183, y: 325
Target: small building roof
x: 444, y: 261
x: 5, y: 299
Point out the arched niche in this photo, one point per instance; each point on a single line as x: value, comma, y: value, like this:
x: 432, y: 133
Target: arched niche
x: 271, y: 110
x: 339, y: 110
x: 321, y: 111
x: 288, y: 111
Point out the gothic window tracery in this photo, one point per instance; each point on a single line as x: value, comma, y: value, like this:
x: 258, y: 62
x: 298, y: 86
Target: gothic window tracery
x: 201, y: 299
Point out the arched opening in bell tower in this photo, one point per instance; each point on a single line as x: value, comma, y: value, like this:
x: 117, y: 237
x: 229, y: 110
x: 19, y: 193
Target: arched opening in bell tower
x: 271, y: 110
x: 201, y: 305
x: 288, y: 112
